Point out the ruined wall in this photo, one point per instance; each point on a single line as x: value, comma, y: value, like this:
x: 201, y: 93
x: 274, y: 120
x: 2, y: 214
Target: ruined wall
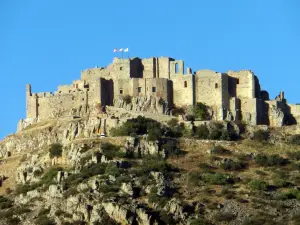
x: 121, y: 68
x: 149, y: 68
x: 176, y: 67
x: 163, y: 67
x: 295, y: 112
x: 136, y: 68
x: 183, y: 90
x: 122, y: 87
x: 209, y: 90
x: 241, y: 84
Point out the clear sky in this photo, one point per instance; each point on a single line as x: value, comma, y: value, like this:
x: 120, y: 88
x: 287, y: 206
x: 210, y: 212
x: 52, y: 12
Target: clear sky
x: 47, y: 43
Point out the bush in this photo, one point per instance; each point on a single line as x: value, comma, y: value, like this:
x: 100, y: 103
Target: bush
x: 155, y: 164
x: 55, y: 150
x: 44, y: 220
x: 171, y: 147
x: 294, y: 155
x: 295, y: 139
x: 193, y: 178
x: 271, y: 160
x: 177, y: 111
x: 233, y: 165
x: 215, y: 134
x: 261, y: 135
x: 13, y: 221
x: 5, y: 202
x: 50, y: 175
x: 201, y: 111
x: 257, y: 185
x: 137, y: 126
x: 154, y: 134
x: 172, y: 122
x: 219, y: 150
x: 109, y: 150
x: 290, y: 194
x: 127, y: 99
x: 224, y: 217
x: 215, y: 178
x: 202, y: 132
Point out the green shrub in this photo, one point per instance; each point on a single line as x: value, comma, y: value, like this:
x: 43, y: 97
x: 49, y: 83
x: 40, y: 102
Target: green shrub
x: 70, y: 192
x: 172, y: 122
x: 55, y: 150
x: 201, y: 132
x: 199, y: 221
x: 171, y: 147
x: 13, y: 221
x: 215, y: 178
x: 177, y: 111
x: 233, y: 165
x: 220, y: 150
x: 295, y: 139
x: 112, y: 169
x: 85, y: 173
x: 166, y: 218
x: 24, y: 188
x: 201, y: 111
x: 224, y: 217
x: 193, y: 178
x: 127, y: 99
x: 290, y: 194
x: 215, y: 134
x: 294, y: 155
x: 271, y: 160
x: 44, y: 220
x: 5, y: 203
x: 261, y: 135
x: 154, y: 134
x: 257, y: 185
x: 156, y: 164
x: 137, y: 126
x: 109, y: 150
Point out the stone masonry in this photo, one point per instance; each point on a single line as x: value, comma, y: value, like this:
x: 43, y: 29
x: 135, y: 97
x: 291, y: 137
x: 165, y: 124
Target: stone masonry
x: 157, y: 85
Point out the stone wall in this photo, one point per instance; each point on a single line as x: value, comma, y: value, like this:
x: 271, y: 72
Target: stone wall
x: 233, y: 96
x: 208, y: 90
x: 295, y: 111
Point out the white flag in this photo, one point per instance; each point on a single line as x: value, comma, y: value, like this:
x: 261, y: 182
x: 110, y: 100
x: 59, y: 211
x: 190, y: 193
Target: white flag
x: 126, y: 50
x: 121, y: 50
x: 115, y: 50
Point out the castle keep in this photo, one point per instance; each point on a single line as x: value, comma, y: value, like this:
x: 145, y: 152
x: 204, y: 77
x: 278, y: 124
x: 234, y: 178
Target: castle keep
x: 158, y: 85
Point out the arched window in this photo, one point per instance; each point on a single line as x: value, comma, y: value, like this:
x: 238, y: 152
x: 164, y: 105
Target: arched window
x: 176, y: 68
x: 216, y: 85
x: 185, y: 84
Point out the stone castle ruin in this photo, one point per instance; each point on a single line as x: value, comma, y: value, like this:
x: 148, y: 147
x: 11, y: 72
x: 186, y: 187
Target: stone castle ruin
x: 158, y: 85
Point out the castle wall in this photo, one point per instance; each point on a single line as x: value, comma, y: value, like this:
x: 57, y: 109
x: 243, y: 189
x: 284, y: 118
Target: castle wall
x: 295, y: 111
x: 121, y: 68
x: 183, y: 90
x: 208, y: 90
x: 122, y: 87
x: 149, y: 66
x: 163, y: 67
x: 242, y: 85
x: 176, y: 67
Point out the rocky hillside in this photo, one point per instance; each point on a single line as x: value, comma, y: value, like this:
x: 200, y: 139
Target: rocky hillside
x: 150, y: 172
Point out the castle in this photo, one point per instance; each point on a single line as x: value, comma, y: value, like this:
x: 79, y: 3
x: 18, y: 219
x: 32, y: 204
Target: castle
x: 158, y: 85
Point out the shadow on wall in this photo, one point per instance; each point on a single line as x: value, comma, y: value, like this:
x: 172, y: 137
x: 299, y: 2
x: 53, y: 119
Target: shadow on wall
x: 170, y: 93
x: 289, y: 119
x: 107, y: 92
x: 232, y: 85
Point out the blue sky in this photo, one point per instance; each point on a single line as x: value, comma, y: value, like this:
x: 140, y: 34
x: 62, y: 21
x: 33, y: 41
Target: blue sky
x: 47, y: 43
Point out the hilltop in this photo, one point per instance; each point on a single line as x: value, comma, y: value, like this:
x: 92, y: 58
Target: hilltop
x: 181, y: 153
